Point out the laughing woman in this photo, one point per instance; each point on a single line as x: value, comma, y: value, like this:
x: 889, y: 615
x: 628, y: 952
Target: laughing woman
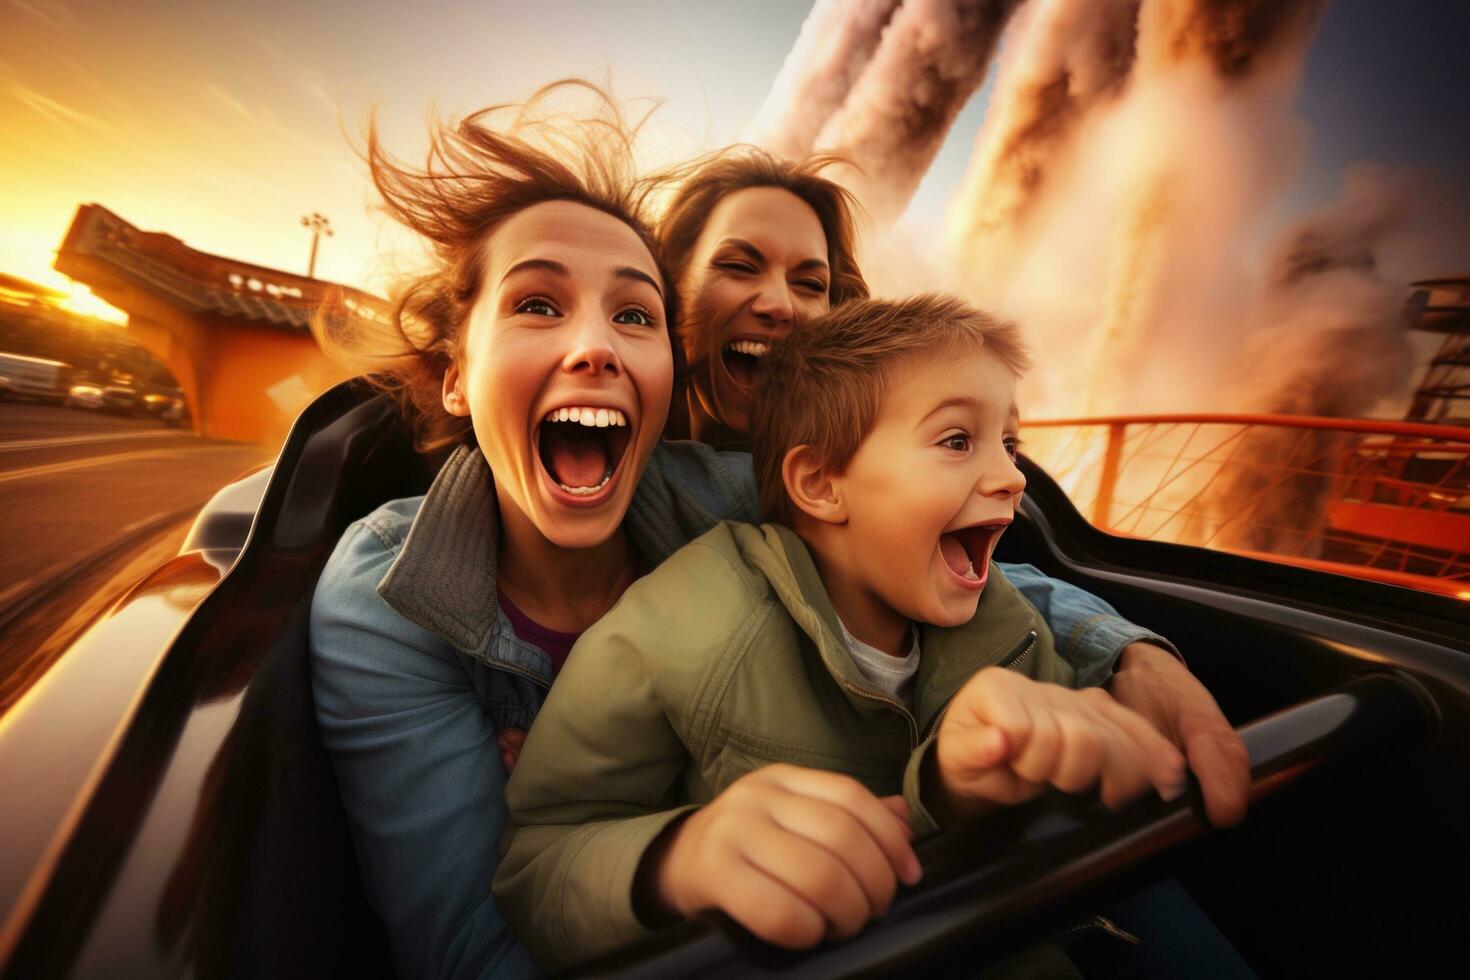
x: 537, y: 348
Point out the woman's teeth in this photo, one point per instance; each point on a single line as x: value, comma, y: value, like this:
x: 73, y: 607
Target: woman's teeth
x: 585, y: 491
x: 599, y: 418
x: 754, y: 348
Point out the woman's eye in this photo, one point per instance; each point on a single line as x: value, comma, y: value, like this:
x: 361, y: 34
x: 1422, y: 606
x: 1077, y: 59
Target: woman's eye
x: 744, y: 268
x: 958, y: 443
x: 536, y: 306
x: 634, y: 315
x: 1013, y: 447
x: 814, y: 286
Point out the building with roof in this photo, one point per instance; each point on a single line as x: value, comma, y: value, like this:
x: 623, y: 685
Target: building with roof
x: 236, y: 336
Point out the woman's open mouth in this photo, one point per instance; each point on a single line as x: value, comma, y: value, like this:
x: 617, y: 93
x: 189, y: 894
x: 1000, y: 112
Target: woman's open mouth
x: 581, y: 447
x: 966, y: 552
x: 743, y: 360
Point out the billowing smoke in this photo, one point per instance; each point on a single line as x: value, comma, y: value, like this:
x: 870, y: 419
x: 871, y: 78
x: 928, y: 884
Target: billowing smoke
x: 1326, y: 340
x: 932, y: 58
x: 1070, y: 57
x: 1125, y: 178
x: 920, y: 62
x: 1120, y: 188
x: 1232, y: 37
x: 836, y: 43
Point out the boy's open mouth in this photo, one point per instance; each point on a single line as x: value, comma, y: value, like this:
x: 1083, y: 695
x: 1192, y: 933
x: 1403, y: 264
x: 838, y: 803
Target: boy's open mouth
x: 743, y: 360
x: 581, y: 446
x: 967, y: 550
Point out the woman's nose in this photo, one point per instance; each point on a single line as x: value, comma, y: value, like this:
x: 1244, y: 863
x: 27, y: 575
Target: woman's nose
x: 773, y: 304
x: 592, y: 349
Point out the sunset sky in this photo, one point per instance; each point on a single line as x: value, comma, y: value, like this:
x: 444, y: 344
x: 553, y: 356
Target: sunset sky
x: 223, y: 123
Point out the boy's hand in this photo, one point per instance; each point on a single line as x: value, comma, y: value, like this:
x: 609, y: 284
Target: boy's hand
x: 1153, y: 682
x: 1007, y: 737
x: 794, y: 855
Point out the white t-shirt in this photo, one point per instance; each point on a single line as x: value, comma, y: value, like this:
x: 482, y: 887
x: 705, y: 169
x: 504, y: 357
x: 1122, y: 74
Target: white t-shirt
x: 892, y: 675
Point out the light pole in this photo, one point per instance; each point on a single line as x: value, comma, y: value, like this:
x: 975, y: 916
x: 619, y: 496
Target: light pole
x: 319, y: 226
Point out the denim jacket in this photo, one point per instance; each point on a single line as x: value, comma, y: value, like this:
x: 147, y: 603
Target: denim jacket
x: 415, y: 669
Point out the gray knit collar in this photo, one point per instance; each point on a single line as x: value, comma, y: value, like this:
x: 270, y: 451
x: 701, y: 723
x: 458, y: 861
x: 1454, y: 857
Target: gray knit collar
x: 444, y: 576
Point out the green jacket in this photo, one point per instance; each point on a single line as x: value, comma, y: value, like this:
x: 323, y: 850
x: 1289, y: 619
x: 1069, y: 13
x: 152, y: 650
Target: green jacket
x: 726, y: 658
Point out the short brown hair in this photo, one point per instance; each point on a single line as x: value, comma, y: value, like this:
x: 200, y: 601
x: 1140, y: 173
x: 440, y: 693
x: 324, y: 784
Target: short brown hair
x: 476, y: 175
x: 823, y: 384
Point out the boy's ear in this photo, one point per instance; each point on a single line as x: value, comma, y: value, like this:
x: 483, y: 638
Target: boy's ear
x: 810, y: 486
x: 452, y: 396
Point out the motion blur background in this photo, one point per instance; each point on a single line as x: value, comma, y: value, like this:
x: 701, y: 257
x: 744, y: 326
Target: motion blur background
x: 1192, y: 206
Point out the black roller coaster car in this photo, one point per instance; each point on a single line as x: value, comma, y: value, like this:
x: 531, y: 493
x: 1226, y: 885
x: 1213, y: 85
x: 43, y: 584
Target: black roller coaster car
x: 168, y: 809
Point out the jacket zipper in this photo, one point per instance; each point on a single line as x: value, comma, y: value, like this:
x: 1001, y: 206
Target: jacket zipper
x: 1011, y: 662
x: 908, y: 715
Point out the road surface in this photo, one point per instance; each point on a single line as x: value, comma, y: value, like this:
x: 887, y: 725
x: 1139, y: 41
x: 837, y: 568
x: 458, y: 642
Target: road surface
x: 84, y: 496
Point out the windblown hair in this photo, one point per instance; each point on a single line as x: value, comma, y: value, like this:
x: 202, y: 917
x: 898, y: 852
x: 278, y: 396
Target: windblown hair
x: 823, y: 385
x: 706, y: 182
x: 476, y: 174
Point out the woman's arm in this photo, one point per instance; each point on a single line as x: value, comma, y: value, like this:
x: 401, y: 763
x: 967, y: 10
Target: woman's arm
x: 418, y: 768
x: 1089, y: 633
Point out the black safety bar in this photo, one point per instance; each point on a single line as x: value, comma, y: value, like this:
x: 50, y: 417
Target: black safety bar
x: 982, y: 881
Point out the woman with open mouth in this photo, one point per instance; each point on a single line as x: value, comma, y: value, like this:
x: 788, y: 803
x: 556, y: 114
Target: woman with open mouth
x: 536, y: 358
x: 536, y: 355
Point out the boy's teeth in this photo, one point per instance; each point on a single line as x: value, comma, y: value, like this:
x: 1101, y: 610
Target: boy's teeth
x: 970, y: 573
x: 599, y: 418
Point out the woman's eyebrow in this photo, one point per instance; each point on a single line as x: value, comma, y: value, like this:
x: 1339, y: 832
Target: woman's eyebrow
x: 755, y: 254
x: 549, y: 265
x: 744, y: 246
x: 557, y: 269
x: 638, y: 275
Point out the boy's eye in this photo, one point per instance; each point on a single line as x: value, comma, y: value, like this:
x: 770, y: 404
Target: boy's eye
x: 1013, y: 447
x: 536, y: 306
x: 634, y: 315
x: 959, y: 443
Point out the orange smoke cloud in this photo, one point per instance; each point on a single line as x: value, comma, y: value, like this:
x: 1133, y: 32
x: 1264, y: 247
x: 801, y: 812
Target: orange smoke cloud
x: 1119, y: 186
x: 920, y: 61
x: 1077, y: 55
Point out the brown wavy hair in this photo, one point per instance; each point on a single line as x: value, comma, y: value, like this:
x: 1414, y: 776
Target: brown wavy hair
x: 476, y: 174
x: 706, y: 182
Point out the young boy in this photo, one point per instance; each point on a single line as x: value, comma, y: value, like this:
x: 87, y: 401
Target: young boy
x: 761, y: 723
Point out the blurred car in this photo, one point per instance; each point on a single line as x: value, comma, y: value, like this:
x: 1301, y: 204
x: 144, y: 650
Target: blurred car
x: 39, y: 378
x: 86, y: 394
x: 168, y: 406
x: 182, y: 819
x: 122, y: 400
